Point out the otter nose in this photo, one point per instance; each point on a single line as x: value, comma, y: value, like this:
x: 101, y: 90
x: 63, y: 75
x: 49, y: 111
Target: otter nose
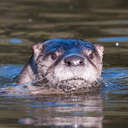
x: 74, y: 60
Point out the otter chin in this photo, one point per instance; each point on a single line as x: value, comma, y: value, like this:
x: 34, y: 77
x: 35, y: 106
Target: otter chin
x: 64, y: 64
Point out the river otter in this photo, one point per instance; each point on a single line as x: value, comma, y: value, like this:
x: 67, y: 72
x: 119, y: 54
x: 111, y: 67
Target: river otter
x: 65, y: 64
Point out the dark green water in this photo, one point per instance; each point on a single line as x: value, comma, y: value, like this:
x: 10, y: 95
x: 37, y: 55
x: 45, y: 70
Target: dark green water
x: 24, y: 22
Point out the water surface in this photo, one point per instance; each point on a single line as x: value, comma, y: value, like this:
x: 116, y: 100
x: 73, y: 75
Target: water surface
x: 22, y: 23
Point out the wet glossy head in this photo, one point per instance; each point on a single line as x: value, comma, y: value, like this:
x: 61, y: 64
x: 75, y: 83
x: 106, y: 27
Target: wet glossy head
x: 68, y: 45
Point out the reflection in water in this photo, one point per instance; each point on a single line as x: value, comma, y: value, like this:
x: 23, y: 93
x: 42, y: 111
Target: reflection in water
x: 74, y: 111
x: 17, y: 41
x: 113, y: 39
x: 116, y: 80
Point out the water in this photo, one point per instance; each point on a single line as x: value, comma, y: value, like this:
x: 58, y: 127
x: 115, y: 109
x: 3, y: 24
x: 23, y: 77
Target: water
x: 22, y: 23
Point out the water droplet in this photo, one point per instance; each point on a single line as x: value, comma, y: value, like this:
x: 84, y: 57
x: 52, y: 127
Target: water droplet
x: 117, y: 44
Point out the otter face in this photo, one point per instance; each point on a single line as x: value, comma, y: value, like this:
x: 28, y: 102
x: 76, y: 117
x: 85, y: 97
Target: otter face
x: 69, y: 64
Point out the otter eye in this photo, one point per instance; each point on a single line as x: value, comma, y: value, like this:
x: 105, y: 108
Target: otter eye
x: 88, y: 53
x: 54, y: 56
x: 90, y: 56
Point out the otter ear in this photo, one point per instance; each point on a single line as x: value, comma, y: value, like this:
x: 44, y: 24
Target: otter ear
x: 37, y: 48
x: 100, y: 49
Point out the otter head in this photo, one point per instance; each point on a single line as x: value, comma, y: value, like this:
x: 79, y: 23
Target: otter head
x: 68, y: 64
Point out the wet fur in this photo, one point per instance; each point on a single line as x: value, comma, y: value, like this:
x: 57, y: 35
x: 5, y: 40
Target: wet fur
x: 56, y: 73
